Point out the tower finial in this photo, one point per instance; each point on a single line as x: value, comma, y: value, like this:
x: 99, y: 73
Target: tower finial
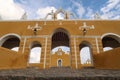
x: 97, y: 16
x: 24, y: 16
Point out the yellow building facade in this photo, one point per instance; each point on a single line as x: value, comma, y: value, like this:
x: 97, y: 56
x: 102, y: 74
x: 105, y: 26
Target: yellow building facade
x: 48, y: 34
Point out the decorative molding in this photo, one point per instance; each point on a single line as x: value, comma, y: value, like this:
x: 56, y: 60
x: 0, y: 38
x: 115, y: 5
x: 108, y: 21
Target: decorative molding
x: 46, y: 39
x: 78, y: 36
x: 7, y: 36
x: 106, y: 34
x: 97, y: 45
x: 49, y: 36
x: 35, y: 28
x: 24, y: 45
x: 37, y: 36
x: 75, y: 53
x: 84, y: 28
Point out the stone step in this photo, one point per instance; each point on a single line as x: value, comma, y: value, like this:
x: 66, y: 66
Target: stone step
x: 59, y: 73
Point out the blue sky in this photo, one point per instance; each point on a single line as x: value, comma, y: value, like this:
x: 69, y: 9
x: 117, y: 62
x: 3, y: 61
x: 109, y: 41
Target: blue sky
x: 37, y: 9
x: 83, y: 9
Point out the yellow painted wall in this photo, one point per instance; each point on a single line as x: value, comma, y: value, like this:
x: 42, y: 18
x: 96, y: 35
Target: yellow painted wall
x: 11, y: 59
x: 64, y: 57
x: 108, y: 60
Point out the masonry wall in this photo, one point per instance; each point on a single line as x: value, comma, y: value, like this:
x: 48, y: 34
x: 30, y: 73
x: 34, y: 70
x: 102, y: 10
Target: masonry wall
x: 11, y: 59
x: 108, y: 60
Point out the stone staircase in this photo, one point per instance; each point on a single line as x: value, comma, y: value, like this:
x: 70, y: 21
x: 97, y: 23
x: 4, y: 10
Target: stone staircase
x: 60, y: 73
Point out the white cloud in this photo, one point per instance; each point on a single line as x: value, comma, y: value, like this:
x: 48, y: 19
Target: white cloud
x: 110, y: 5
x: 90, y: 14
x: 10, y: 10
x: 85, y: 54
x: 23, y: 1
x: 80, y: 9
x: 42, y: 12
x: 111, y: 10
x: 35, y: 55
x: 64, y: 48
x: 117, y: 17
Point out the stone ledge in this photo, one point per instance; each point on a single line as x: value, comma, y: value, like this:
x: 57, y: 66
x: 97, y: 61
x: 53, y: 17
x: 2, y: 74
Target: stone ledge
x: 59, y: 74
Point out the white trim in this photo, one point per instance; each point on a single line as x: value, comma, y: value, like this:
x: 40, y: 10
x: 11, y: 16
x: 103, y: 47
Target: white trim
x: 91, y: 36
x: 7, y: 36
x: 97, y: 45
x: 75, y: 52
x: 24, y: 45
x: 58, y: 20
x: 106, y: 34
x: 37, y: 36
x: 113, y: 36
x: 46, y: 39
x: 77, y: 36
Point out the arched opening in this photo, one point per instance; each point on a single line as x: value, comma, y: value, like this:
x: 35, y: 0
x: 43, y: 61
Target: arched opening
x: 60, y: 47
x: 59, y: 62
x: 60, y: 16
x: 86, y: 54
x: 110, y: 41
x: 35, y: 52
x: 10, y: 42
x: 60, y: 39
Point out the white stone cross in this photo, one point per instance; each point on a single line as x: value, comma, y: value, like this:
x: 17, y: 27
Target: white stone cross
x: 84, y: 28
x: 35, y: 28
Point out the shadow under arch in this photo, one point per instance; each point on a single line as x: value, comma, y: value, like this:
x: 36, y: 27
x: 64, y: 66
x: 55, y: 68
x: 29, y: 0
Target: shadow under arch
x: 35, y: 52
x: 60, y: 37
x: 110, y: 41
x: 10, y: 41
x: 60, y: 41
x: 86, y: 56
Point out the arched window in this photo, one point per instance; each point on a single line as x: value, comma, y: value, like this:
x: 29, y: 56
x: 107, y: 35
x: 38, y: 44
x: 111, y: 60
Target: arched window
x: 110, y: 41
x: 85, y: 53
x: 35, y: 52
x: 60, y: 16
x: 60, y: 39
x: 10, y: 41
x: 60, y: 46
x: 59, y: 63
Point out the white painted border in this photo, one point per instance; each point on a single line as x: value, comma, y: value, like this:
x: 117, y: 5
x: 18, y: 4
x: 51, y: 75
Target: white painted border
x: 112, y: 34
x: 89, y: 36
x: 97, y: 45
x: 75, y: 53
x: 58, y: 20
x: 7, y: 36
x: 24, y: 45
x: 106, y: 34
x: 72, y: 36
x: 46, y: 39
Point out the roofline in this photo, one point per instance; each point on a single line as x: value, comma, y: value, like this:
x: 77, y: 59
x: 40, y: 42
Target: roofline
x: 58, y: 20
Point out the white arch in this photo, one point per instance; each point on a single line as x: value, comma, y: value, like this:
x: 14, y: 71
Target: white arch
x: 7, y: 36
x: 113, y: 35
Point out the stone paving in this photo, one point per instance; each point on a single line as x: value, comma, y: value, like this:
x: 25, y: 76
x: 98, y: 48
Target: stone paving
x: 59, y: 74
